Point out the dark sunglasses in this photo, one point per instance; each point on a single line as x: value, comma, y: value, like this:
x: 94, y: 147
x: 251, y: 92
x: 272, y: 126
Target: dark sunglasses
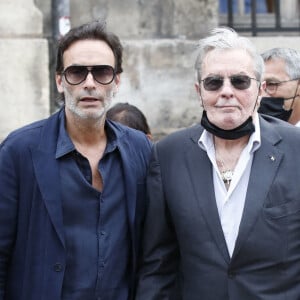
x: 103, y: 74
x: 240, y: 82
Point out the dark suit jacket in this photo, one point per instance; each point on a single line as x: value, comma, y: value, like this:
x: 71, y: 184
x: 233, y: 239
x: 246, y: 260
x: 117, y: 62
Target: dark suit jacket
x: 185, y: 253
x: 32, y: 247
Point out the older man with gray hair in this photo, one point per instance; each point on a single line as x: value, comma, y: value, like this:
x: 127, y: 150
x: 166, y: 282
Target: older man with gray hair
x: 282, y: 93
x: 223, y: 215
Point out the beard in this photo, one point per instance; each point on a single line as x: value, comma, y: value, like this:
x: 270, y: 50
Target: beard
x: 94, y: 114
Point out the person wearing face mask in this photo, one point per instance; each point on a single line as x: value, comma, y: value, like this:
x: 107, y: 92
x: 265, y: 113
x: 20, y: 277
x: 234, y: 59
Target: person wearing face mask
x: 223, y: 213
x: 281, y: 96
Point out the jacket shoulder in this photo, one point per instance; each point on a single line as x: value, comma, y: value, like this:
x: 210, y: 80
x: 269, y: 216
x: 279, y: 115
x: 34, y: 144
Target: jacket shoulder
x: 130, y: 136
x: 271, y: 126
x: 28, y: 134
x: 182, y: 136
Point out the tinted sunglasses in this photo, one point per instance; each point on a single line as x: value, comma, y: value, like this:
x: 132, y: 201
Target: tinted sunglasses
x: 103, y: 74
x: 214, y: 83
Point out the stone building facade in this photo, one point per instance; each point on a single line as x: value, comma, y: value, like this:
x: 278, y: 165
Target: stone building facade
x: 24, y: 63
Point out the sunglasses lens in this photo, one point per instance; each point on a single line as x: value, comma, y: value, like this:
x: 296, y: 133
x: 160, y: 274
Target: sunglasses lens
x: 103, y: 74
x: 212, y: 83
x: 240, y: 82
x: 75, y: 74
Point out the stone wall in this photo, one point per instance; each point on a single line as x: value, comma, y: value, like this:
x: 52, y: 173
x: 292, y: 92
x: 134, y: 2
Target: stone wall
x: 24, y: 73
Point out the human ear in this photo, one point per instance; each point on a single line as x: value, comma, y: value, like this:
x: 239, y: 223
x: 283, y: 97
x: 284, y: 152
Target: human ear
x: 58, y: 80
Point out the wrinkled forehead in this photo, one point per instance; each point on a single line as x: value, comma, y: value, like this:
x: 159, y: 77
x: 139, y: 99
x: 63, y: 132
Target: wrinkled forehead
x: 228, y: 62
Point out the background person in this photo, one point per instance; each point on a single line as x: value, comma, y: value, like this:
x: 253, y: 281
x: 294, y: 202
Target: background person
x: 129, y: 115
x: 223, y: 218
x: 282, y: 93
x: 72, y: 189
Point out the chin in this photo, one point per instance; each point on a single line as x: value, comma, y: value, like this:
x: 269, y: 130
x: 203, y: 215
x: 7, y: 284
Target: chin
x: 89, y: 114
x: 228, y: 124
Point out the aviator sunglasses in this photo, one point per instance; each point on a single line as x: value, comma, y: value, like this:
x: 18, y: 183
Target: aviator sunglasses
x: 103, y: 74
x: 214, y: 83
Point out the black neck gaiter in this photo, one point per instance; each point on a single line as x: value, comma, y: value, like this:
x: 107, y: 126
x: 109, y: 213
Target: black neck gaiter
x: 247, y: 128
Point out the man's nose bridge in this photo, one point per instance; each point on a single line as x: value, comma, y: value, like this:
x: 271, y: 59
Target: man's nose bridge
x: 89, y: 75
x: 227, y: 84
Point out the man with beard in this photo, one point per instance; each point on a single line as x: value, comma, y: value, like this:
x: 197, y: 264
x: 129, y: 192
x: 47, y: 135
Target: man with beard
x: 72, y: 187
x: 223, y: 217
x: 282, y: 92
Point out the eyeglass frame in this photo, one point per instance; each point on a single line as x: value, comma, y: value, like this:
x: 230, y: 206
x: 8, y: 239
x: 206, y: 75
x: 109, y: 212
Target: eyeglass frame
x: 276, y: 85
x: 90, y: 71
x: 230, y: 78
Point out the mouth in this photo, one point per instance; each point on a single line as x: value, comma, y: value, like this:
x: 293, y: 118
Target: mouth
x: 89, y: 99
x: 227, y: 107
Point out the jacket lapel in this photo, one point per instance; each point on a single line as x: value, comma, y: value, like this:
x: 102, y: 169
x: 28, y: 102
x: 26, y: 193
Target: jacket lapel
x: 130, y: 189
x: 200, y: 170
x: 47, y: 173
x: 266, y: 161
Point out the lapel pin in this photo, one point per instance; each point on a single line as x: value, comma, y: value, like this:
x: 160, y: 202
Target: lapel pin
x: 272, y: 157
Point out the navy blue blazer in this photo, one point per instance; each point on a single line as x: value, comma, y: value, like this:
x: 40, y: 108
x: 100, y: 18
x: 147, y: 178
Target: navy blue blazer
x: 32, y: 247
x: 185, y: 252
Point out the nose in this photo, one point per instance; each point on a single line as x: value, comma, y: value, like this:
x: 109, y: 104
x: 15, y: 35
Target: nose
x: 227, y: 88
x: 89, y: 81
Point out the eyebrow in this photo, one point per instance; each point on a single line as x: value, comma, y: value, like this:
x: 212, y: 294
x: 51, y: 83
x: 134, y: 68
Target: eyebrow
x: 271, y: 79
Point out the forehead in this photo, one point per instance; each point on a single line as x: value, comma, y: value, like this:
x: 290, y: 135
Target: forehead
x: 228, y: 62
x: 275, y: 68
x: 89, y: 52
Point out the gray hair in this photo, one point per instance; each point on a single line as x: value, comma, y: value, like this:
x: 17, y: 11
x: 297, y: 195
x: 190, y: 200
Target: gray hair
x: 227, y: 38
x: 291, y: 57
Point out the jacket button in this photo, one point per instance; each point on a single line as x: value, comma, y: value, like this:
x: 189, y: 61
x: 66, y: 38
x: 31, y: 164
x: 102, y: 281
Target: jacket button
x: 58, y: 267
x: 231, y: 274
